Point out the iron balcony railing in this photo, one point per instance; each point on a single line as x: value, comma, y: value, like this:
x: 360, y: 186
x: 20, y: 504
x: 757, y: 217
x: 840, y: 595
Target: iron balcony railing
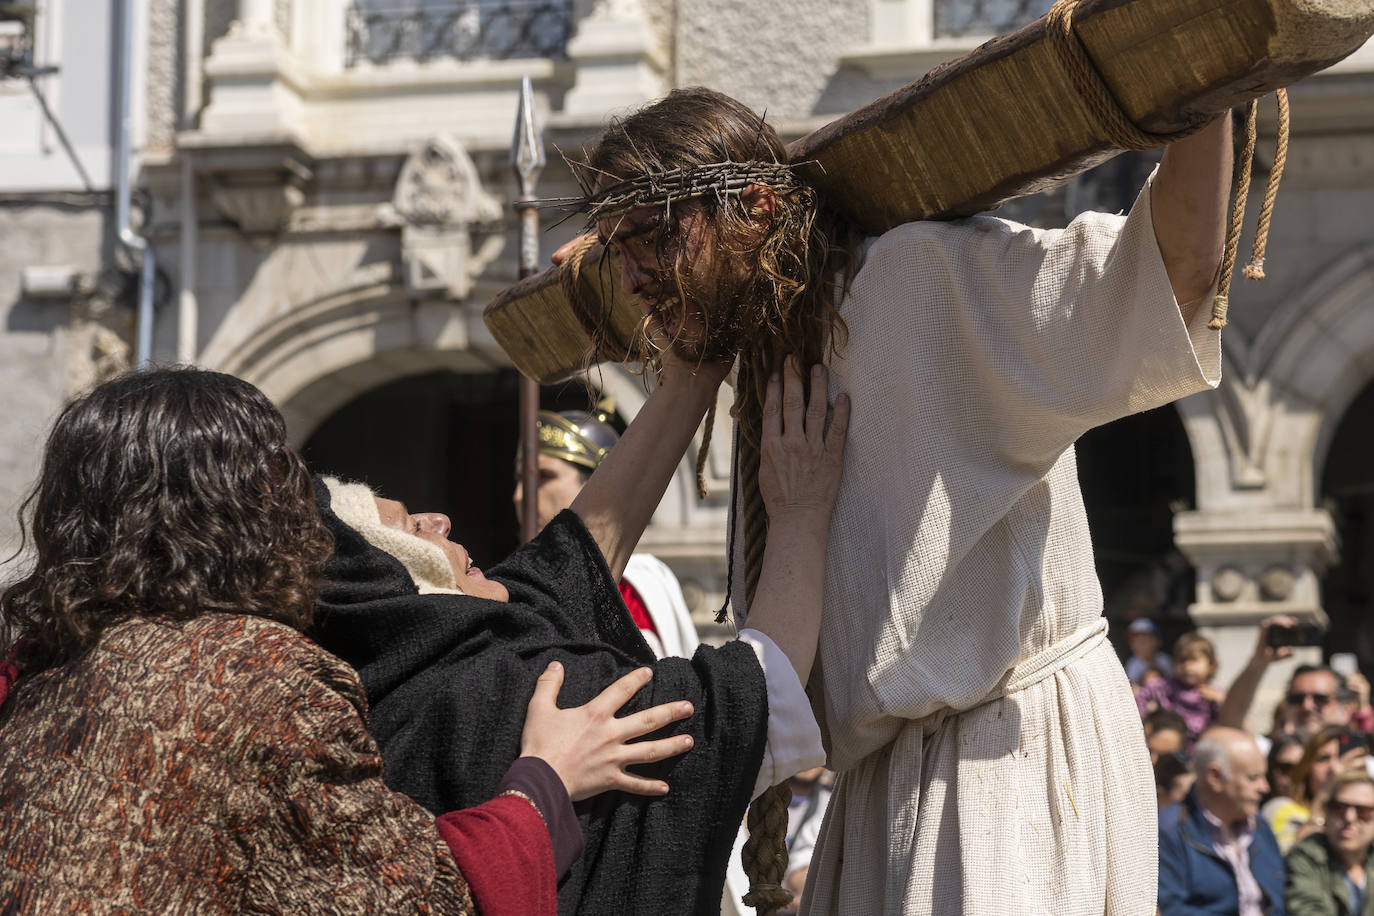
x: 380, y: 32
x: 955, y: 18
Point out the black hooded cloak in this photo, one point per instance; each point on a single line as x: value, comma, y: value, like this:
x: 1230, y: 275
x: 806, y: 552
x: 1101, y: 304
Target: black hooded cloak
x: 448, y: 678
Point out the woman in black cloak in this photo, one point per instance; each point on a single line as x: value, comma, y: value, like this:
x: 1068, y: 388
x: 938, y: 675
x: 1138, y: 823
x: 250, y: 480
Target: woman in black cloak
x: 449, y: 655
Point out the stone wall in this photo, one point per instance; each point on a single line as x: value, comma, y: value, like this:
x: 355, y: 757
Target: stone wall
x: 164, y: 98
x: 48, y: 348
x: 782, y: 57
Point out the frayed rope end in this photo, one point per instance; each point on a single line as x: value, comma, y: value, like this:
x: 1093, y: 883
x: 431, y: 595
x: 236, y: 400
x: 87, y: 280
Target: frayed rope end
x: 1255, y: 269
x: 1219, y: 306
x: 767, y: 897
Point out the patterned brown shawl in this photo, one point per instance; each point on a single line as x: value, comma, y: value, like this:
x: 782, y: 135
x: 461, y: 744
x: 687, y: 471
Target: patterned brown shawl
x: 163, y: 772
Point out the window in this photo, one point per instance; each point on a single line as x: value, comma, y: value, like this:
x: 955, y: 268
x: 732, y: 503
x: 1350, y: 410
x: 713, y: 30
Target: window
x: 955, y: 18
x: 16, y: 38
x: 381, y: 31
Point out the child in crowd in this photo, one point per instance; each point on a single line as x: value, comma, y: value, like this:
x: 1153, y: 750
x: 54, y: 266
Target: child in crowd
x: 1165, y: 733
x: 1146, y: 655
x: 1173, y: 779
x: 1189, y: 690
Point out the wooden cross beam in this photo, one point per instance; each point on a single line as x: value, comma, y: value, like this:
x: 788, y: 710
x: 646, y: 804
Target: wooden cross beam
x: 999, y: 123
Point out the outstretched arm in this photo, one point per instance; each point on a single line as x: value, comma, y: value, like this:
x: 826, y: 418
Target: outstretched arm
x: 1188, y: 201
x: 1241, y: 694
x: 620, y: 498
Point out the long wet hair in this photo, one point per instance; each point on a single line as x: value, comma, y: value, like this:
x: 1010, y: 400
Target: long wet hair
x: 792, y: 271
x: 170, y: 493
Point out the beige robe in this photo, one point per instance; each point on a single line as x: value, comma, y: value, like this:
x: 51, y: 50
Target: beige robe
x: 990, y: 755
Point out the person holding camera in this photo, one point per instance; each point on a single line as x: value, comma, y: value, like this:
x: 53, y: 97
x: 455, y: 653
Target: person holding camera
x: 1313, y: 697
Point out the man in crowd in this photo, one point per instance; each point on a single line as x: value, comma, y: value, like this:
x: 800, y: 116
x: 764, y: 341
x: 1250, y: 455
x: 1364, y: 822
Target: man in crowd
x: 1215, y: 854
x: 1315, y: 695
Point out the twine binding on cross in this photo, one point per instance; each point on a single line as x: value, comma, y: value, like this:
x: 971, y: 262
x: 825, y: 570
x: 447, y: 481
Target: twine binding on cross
x: 1122, y: 132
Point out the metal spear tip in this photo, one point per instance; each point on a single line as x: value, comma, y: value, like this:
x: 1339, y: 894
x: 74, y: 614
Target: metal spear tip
x: 527, y: 149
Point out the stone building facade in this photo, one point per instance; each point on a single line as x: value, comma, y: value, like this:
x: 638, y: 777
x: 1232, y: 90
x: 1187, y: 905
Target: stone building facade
x: 328, y: 189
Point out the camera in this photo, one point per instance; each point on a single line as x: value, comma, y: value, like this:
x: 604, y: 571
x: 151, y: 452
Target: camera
x: 1348, y: 740
x: 1304, y: 634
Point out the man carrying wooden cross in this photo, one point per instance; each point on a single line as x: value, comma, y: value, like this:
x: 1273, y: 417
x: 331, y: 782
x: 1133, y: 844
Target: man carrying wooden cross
x: 990, y: 755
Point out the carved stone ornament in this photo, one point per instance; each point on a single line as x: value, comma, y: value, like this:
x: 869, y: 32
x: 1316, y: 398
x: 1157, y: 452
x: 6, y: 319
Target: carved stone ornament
x: 259, y: 210
x: 1277, y: 583
x: 439, y: 199
x: 1227, y: 583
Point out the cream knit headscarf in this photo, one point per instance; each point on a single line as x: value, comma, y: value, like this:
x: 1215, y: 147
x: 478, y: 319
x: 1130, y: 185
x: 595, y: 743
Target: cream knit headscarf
x: 356, y: 506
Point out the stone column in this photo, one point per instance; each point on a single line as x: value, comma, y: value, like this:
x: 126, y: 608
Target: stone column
x: 619, y: 62
x: 1252, y: 564
x: 256, y: 15
x: 251, y: 75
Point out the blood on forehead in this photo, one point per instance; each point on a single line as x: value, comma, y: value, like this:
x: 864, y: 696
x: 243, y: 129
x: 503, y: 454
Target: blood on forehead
x: 629, y: 225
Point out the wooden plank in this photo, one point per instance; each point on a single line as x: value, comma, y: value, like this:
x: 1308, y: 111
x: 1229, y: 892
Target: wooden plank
x: 544, y: 336
x: 999, y: 123
x: 1005, y: 121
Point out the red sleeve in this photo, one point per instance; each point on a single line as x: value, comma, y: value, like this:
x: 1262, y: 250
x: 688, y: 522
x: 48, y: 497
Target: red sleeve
x: 638, y: 610
x: 9, y: 673
x: 503, y: 850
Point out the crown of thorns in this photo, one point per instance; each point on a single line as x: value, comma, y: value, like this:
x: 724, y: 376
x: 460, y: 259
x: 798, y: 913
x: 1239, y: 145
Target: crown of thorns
x: 718, y: 179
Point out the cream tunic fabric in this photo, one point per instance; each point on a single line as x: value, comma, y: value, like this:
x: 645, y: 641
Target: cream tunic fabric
x: 990, y: 755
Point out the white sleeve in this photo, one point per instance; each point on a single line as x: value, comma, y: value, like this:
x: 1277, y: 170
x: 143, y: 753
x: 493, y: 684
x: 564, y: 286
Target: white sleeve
x: 1064, y: 330
x: 794, y: 738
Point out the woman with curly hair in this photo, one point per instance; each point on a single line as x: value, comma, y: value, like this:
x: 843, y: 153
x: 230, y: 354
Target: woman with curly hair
x: 171, y: 742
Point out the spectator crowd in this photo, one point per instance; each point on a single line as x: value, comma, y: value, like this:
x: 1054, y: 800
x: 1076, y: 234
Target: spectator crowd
x: 1274, y: 823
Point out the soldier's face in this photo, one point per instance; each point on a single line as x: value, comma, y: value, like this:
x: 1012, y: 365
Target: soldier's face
x: 559, y: 483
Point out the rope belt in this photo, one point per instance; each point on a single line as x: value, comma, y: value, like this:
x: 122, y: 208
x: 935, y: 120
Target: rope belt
x: 1030, y: 671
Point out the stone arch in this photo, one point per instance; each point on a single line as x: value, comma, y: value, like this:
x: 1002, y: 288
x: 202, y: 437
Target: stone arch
x: 1316, y: 354
x: 314, y: 357
x: 1258, y: 440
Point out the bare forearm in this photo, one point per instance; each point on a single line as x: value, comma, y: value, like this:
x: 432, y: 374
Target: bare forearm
x: 1188, y: 201
x: 620, y: 498
x: 787, y: 605
x: 1241, y: 694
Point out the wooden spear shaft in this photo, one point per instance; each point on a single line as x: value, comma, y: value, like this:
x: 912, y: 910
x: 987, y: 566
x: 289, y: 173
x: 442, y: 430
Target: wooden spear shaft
x: 527, y: 158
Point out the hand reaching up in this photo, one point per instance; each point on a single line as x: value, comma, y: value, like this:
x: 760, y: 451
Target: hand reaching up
x: 799, y: 470
x: 799, y: 477
x: 587, y: 746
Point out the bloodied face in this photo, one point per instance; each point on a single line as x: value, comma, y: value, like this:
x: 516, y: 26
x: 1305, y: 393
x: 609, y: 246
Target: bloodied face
x: 690, y: 280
